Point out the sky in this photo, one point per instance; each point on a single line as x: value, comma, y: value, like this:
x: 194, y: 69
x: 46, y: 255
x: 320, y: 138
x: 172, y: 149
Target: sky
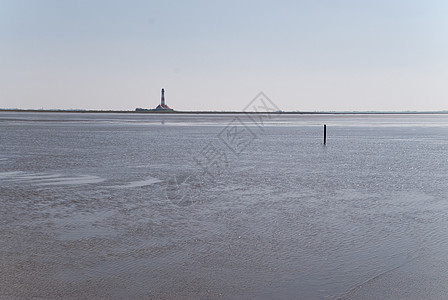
x: 321, y: 55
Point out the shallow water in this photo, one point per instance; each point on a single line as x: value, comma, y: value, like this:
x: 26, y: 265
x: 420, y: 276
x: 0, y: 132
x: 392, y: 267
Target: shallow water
x: 118, y: 206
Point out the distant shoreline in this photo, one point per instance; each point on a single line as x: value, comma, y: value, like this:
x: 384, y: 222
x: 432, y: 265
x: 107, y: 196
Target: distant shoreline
x: 231, y: 112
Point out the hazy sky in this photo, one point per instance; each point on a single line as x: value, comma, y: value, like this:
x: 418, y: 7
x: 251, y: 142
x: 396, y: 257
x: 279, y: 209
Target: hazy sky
x: 217, y: 55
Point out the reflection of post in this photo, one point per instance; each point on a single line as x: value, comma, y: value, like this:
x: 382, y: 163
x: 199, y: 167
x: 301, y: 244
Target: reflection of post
x: 325, y: 134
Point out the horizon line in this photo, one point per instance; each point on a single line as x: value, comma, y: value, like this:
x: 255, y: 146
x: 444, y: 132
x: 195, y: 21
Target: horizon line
x: 220, y: 112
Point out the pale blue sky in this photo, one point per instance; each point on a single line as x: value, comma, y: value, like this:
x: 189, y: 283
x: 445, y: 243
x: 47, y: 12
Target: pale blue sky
x: 217, y: 55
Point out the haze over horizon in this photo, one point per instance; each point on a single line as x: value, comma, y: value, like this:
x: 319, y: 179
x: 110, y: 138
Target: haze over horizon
x: 306, y: 56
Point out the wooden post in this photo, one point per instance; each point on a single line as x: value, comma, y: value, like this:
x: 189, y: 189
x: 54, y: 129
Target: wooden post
x: 325, y: 134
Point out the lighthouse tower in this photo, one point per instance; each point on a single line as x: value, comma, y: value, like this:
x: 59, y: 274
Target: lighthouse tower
x: 162, y: 105
x: 162, y: 102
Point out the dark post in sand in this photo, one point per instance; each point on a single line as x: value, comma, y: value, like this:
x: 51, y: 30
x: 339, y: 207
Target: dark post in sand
x: 325, y: 134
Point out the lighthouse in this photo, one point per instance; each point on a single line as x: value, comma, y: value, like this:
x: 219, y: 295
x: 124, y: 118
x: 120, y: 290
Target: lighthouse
x: 162, y: 102
x: 162, y: 105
